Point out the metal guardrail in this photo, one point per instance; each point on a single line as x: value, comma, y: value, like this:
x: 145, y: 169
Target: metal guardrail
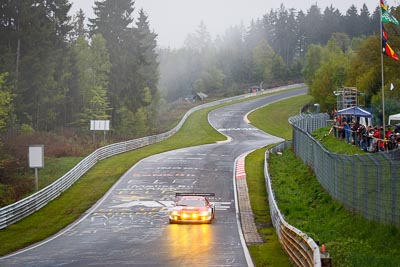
x: 25, y: 207
x: 302, y: 250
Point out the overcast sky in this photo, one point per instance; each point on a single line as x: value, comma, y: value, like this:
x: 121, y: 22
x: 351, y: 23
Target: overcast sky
x: 173, y: 20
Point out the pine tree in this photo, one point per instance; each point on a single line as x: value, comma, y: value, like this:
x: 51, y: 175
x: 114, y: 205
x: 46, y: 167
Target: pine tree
x: 113, y: 18
x: 6, y: 98
x: 33, y: 36
x: 351, y: 20
x: 78, y: 24
x: 100, y: 66
x: 146, y: 50
x: 331, y: 23
x: 93, y: 68
x: 132, y: 55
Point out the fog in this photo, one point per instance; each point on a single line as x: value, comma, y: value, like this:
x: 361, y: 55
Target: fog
x: 224, y: 49
x: 173, y: 20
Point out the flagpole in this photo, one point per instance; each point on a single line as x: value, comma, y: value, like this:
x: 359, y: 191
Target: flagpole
x: 382, y: 73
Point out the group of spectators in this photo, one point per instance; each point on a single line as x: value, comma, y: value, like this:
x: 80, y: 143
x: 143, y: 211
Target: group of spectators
x: 368, y: 138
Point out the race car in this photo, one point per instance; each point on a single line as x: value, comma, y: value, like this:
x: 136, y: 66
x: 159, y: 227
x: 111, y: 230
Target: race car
x: 192, y: 208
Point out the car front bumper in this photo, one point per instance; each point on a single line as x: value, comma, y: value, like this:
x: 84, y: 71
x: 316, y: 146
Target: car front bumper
x: 190, y: 218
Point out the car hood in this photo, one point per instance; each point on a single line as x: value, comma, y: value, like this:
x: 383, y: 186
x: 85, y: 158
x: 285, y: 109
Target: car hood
x: 185, y: 208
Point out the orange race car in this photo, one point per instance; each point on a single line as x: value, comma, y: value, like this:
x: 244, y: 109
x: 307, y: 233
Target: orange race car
x: 192, y: 208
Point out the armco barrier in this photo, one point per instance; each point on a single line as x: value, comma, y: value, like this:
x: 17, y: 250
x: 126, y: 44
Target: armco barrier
x: 302, y: 250
x: 19, y: 210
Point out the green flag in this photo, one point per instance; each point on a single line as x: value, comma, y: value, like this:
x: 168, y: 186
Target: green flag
x: 387, y: 17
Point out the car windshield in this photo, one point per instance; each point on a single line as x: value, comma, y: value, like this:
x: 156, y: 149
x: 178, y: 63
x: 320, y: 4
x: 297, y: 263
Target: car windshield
x: 191, y: 203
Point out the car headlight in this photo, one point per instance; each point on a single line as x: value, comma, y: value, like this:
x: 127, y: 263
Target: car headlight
x: 204, y: 213
x: 175, y: 213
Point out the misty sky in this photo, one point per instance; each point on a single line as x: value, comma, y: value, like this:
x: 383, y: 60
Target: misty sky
x: 173, y: 20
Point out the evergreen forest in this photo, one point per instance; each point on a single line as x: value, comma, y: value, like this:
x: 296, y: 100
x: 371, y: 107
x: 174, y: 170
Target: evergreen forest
x: 59, y: 70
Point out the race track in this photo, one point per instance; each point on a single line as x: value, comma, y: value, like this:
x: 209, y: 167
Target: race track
x: 129, y: 226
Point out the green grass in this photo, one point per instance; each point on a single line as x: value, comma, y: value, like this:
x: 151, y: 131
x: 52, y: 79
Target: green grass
x: 335, y: 145
x: 272, y: 119
x: 72, y: 203
x: 55, y: 168
x: 270, y: 253
x: 350, y: 239
x: 75, y: 201
x: 95, y: 183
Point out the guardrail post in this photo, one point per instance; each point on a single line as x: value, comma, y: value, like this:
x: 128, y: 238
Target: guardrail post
x: 326, y: 260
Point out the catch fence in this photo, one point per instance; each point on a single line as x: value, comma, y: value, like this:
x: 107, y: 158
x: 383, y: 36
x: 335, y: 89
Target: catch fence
x: 367, y: 184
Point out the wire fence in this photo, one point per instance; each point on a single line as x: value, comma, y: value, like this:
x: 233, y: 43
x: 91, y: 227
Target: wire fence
x: 367, y: 184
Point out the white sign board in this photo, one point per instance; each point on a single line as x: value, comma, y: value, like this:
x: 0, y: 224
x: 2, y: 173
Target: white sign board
x: 99, y: 125
x: 36, y: 156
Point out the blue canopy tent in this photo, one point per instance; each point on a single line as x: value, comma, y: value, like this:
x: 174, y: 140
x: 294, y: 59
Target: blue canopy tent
x: 355, y: 111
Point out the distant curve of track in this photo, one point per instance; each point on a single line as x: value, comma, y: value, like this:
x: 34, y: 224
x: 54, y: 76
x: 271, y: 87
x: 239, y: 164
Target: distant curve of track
x: 129, y: 225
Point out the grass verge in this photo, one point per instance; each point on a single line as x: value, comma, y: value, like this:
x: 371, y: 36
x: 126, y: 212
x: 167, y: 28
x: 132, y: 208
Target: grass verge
x: 55, y: 168
x: 95, y: 183
x: 350, y: 239
x: 270, y: 253
x: 335, y: 145
x: 272, y: 119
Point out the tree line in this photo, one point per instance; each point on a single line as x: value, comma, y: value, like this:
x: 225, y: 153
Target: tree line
x: 272, y: 50
x: 345, y: 62
x: 58, y: 71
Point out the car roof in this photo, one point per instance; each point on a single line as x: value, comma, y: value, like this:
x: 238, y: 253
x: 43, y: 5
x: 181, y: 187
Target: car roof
x: 192, y: 197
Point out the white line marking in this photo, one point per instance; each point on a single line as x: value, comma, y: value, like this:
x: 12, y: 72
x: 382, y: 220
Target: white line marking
x: 239, y: 224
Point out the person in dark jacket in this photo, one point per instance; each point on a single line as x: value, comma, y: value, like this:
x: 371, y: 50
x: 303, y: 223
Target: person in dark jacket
x: 347, y: 131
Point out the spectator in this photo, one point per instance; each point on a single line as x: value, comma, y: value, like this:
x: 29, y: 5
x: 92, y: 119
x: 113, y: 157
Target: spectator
x: 335, y: 127
x: 347, y: 131
x: 334, y: 114
x: 381, y: 142
x: 376, y: 134
x: 340, y: 127
x: 388, y: 133
x: 396, y: 128
x: 370, y: 131
x: 390, y: 139
x: 364, y: 137
x: 354, y: 129
x: 397, y: 134
x: 375, y: 141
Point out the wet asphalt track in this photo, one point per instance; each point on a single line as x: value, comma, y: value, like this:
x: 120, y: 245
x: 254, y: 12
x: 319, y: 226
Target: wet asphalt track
x: 129, y: 226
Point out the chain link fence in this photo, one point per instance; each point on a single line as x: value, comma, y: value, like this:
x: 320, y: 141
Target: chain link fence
x: 367, y: 184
